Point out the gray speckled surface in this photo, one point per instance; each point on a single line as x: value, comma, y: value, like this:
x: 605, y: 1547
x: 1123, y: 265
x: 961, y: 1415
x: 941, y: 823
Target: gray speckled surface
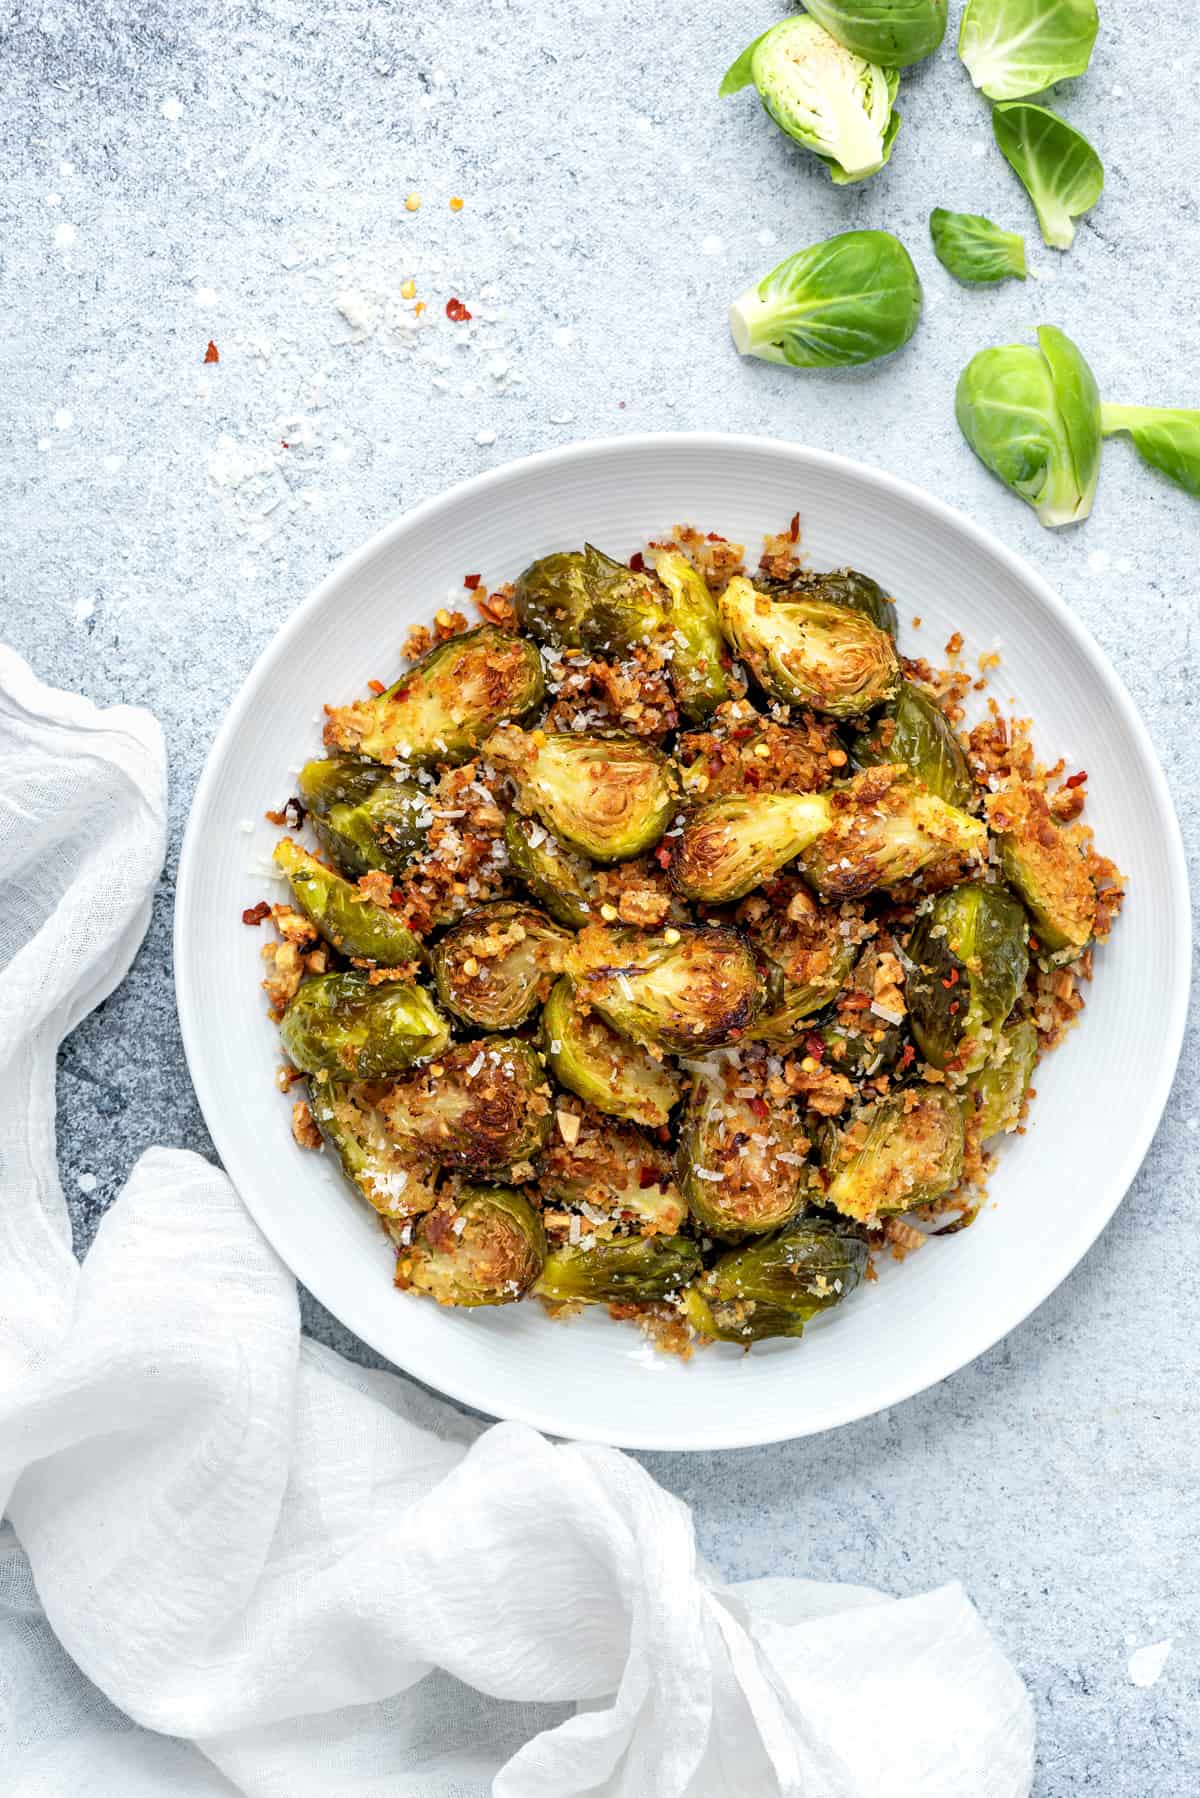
x: 181, y: 172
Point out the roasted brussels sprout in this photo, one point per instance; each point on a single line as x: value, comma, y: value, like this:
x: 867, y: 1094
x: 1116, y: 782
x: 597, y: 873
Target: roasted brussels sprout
x: 609, y: 795
x: 1045, y: 862
x: 615, y: 1173
x: 487, y: 1247
x: 839, y: 587
x: 341, y: 1024
x: 447, y: 704
x: 774, y: 1287
x: 915, y: 731
x: 969, y: 961
x: 730, y: 846
x: 348, y: 1116
x: 576, y: 600
x: 680, y: 990
x: 698, y: 677
x: 495, y: 967
x: 904, y: 1151
x: 996, y: 1092
x: 773, y: 758
x: 885, y: 830
x: 483, y: 1107
x: 810, y: 651
x: 741, y: 1162
x: 861, y: 1050
x: 554, y: 874
x: 590, y: 1058
x: 639, y: 1269
x: 806, y: 952
x: 363, y: 817
x: 345, y: 917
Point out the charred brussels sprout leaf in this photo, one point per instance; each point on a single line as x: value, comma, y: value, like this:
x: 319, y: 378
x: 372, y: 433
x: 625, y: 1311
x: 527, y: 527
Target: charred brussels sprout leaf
x: 345, y: 917
x: 996, y: 1092
x: 487, y: 1249
x: 885, y: 831
x: 698, y: 649
x: 970, y: 960
x: 348, y: 1116
x: 679, y: 990
x: 809, y: 651
x: 615, y: 1170
x: 974, y: 250
x: 902, y: 1152
x: 583, y: 599
x: 838, y: 587
x: 642, y: 1269
x: 774, y: 1287
x: 1168, y: 440
x: 892, y: 32
x: 364, y: 818
x: 341, y: 1024
x: 1045, y: 863
x: 485, y: 1110
x: 730, y: 846
x: 610, y: 796
x: 1017, y: 47
x: 1033, y: 418
x: 914, y: 731
x: 806, y: 957
x: 447, y: 704
x: 741, y: 1161
x: 590, y: 1058
x: 1055, y: 164
x: 840, y: 303
x: 554, y: 874
x: 494, y: 968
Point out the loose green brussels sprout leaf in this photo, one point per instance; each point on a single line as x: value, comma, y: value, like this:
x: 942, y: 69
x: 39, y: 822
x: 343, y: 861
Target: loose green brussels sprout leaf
x: 488, y: 1248
x: 362, y: 819
x: 447, y: 704
x: 341, y: 1024
x: 679, y: 990
x: 483, y: 1107
x: 887, y: 829
x: 614, y: 1173
x: 822, y: 95
x: 1054, y: 163
x: 892, y: 32
x: 697, y: 674
x: 348, y: 1116
x: 1033, y: 418
x: 837, y: 304
x: 554, y: 874
x: 969, y: 960
x: 901, y: 1152
x: 345, y: 917
x: 612, y: 1073
x: 1045, y: 862
x: 974, y: 250
x: 810, y: 652
x: 640, y: 1269
x: 494, y: 968
x: 1017, y: 47
x: 996, y: 1092
x: 730, y: 846
x: 913, y: 730
x: 576, y: 599
x: 839, y: 587
x: 1168, y: 440
x: 609, y: 795
x: 863, y: 1050
x: 806, y: 951
x: 742, y: 1162
x: 773, y: 1288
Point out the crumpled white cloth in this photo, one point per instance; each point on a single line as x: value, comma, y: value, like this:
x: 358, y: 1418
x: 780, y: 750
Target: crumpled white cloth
x: 242, y: 1564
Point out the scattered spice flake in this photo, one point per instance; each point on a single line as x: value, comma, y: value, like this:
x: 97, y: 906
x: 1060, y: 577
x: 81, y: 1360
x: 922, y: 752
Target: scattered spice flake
x: 794, y: 528
x: 254, y: 914
x: 456, y: 312
x: 292, y: 814
x: 456, y: 205
x: 954, y: 644
x: 413, y: 203
x: 376, y: 686
x: 637, y: 562
x: 470, y: 582
x: 408, y: 290
x: 212, y: 353
x: 1077, y: 780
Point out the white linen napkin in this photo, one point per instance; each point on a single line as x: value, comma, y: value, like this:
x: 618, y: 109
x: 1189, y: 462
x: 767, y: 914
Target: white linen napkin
x: 243, y: 1564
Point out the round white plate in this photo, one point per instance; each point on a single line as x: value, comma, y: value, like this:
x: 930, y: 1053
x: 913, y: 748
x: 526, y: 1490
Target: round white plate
x: 1100, y: 1095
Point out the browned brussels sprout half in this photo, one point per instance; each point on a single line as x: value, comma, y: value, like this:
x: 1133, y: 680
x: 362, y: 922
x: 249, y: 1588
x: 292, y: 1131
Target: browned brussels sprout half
x: 576, y: 600
x: 1045, y: 863
x: 730, y: 846
x: 915, y: 731
x: 341, y: 1024
x: 590, y: 1058
x: 698, y: 652
x: 610, y: 796
x: 487, y: 1248
x: 496, y: 966
x: 863, y: 1050
x: 483, y: 1107
x: 615, y: 1171
x: 557, y: 877
x: 839, y: 587
x: 806, y: 952
x: 741, y: 1161
x: 345, y: 917
x: 969, y: 961
x: 885, y: 830
x: 810, y: 652
x: 447, y: 704
x: 348, y: 1116
x: 679, y: 990
x: 995, y: 1094
x: 363, y: 818
x: 638, y: 1269
x: 902, y: 1152
x: 774, y: 1287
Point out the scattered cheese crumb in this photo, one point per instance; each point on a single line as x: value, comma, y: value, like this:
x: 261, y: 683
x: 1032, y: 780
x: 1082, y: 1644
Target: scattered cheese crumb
x: 1146, y: 1664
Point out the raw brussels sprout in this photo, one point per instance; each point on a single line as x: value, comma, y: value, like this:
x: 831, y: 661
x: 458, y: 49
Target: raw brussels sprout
x: 839, y: 587
x: 679, y: 990
x: 730, y: 846
x: 614, y: 1170
x: 698, y: 678
x: 806, y: 958
x: 969, y: 961
x: 1167, y: 440
x: 1046, y: 865
x: 640, y: 1269
x: 554, y: 874
x: 862, y: 1050
x: 774, y: 1287
x: 1054, y: 163
x: 483, y: 1107
x: 590, y: 1058
x: 348, y: 1116
x: 492, y: 1259
x: 974, y: 250
x: 996, y: 1092
x: 609, y: 795
x: 354, y: 924
x: 913, y: 730
x: 809, y: 651
x: 1017, y: 47
x: 885, y: 831
x: 446, y: 704
x: 891, y: 32
x: 1033, y: 418
x: 902, y: 1152
x: 583, y: 599
x: 834, y: 103
x: 741, y: 1163
x: 494, y: 968
x: 837, y: 304
x: 363, y: 818
x: 341, y: 1024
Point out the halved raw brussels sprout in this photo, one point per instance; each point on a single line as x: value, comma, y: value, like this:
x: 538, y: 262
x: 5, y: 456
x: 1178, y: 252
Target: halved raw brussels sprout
x: 969, y: 959
x: 590, y: 1058
x: 363, y: 817
x: 487, y: 1247
x: 583, y: 599
x: 838, y: 587
x: 639, y: 1269
x: 495, y: 967
x: 341, y: 1024
x: 886, y: 829
x: 902, y: 1152
x: 681, y: 990
x: 348, y: 1116
x: 698, y: 677
x: 1045, y: 862
x: 623, y: 1179
x: 609, y: 795
x: 355, y: 925
x: 483, y: 1107
x: 811, y: 652
x: 557, y: 877
x: 742, y: 1160
x: 732, y: 845
x: 915, y: 731
x: 806, y: 952
x: 774, y: 1287
x: 996, y: 1092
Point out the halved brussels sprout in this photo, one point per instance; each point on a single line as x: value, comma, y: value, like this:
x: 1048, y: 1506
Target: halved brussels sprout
x: 617, y: 1173
x: 742, y: 1161
x: 996, y: 1092
x: 590, y: 1058
x: 447, y: 704
x: 585, y: 600
x: 915, y: 731
x: 774, y: 1287
x: 839, y: 587
x: 364, y: 818
x: 341, y: 1024
x: 609, y: 795
x: 348, y: 1116
x: 483, y: 1107
x: 1045, y: 863
x: 969, y: 962
x: 810, y: 651
x: 698, y: 677
x: 554, y: 874
x: 487, y: 1248
x: 862, y: 1050
x: 645, y: 1269
x: 730, y: 846
x: 904, y: 1151
x: 354, y: 924
x: 806, y: 951
x: 495, y: 967
x: 886, y: 829
x: 680, y: 990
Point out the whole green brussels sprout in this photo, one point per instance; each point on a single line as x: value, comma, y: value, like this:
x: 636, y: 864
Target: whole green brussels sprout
x: 356, y: 926
x: 914, y: 731
x: 773, y: 1287
x: 732, y: 845
x: 996, y: 1092
x: 900, y: 1153
x: 637, y: 1269
x: 593, y: 1060
x: 363, y: 817
x: 348, y: 1116
x: 585, y: 600
x: 557, y: 877
x: 1046, y: 864
x: 487, y: 1247
x: 810, y: 652
x: 693, y: 624
x: 887, y: 829
x: 680, y: 990
x: 483, y: 1107
x: 969, y: 960
x: 742, y: 1161
x: 608, y: 795
x: 341, y: 1024
x: 495, y: 966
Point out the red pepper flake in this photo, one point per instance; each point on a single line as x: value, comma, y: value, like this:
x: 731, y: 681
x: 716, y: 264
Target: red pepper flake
x: 1033, y: 943
x: 212, y: 353
x: 456, y: 311
x: 284, y: 444
x: 814, y: 1045
x: 376, y: 686
x: 953, y: 980
x: 1077, y: 780
x: 637, y: 562
x: 397, y: 896
x: 954, y: 1008
x: 794, y: 528
x: 470, y: 582
x: 648, y: 1176
x: 254, y: 914
x: 908, y: 1057
x: 712, y: 537
x: 662, y: 856
x: 758, y: 1107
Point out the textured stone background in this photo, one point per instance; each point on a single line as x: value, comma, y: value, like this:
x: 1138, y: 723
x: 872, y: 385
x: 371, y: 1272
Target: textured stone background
x: 180, y: 172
